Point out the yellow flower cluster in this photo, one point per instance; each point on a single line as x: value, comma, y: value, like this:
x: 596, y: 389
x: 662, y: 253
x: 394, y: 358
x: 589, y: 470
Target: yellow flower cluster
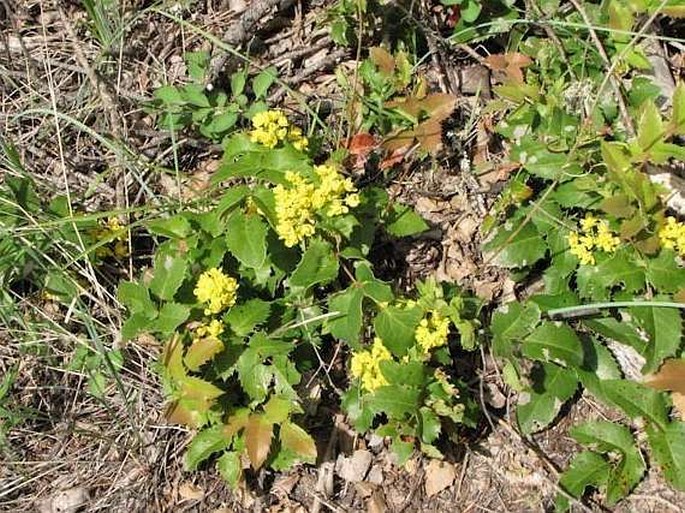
x: 272, y: 127
x: 217, y: 290
x: 114, y: 231
x: 672, y: 235
x: 365, y: 365
x: 432, y: 331
x: 298, y: 204
x: 211, y: 330
x: 595, y: 235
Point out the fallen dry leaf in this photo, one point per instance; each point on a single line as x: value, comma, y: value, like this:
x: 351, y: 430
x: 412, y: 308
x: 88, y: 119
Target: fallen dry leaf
x: 671, y: 376
x: 190, y: 492
x: 511, y: 64
x: 355, y: 467
x: 376, y: 503
x: 679, y: 404
x: 65, y: 501
x: 439, y: 476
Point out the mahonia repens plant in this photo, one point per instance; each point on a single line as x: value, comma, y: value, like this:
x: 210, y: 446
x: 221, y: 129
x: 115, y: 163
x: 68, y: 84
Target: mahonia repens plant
x: 246, y: 287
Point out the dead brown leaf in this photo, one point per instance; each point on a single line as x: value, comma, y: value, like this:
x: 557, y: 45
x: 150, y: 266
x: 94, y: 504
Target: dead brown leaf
x: 511, y: 64
x: 190, y: 492
x: 376, y: 503
x: 671, y: 376
x: 383, y: 59
x: 439, y: 476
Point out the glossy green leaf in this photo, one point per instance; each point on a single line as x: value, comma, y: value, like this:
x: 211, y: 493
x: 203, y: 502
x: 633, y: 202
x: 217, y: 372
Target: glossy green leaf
x: 517, y: 246
x: 348, y: 324
x: 396, y: 327
x: 169, y: 273
x: 318, y: 265
x: 171, y: 316
x: 136, y: 298
x: 201, y: 351
x: 554, y: 341
x: 243, y: 318
x: 636, y: 400
x: 586, y: 469
x: 246, y: 239
x: 668, y: 449
x: 262, y: 82
x: 230, y: 467
x: 204, y: 444
x: 511, y: 323
x: 665, y: 273
x: 664, y: 327
x: 175, y: 227
x: 403, y: 221
x: 396, y: 401
x: 612, y: 437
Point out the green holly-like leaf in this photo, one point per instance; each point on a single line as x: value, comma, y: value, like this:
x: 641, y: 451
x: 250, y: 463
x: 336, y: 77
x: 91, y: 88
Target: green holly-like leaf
x: 298, y: 441
x: 620, y: 331
x: 430, y: 425
x: 678, y: 117
x: 612, y: 437
x: 347, y: 326
x: 169, y: 273
x: 396, y: 327
x: 230, y: 467
x: 517, y: 246
x: 599, y: 364
x: 552, y: 386
x: 374, y: 289
x: 204, y: 444
x: 396, y: 401
x: 511, y: 323
x: 318, y: 265
x: 402, y: 221
x: 246, y: 239
x: 668, y: 449
x: 412, y: 374
x: 171, y: 316
x: 596, y: 281
x: 554, y: 341
x: 243, y: 318
x: 664, y: 328
x: 650, y: 127
x: 136, y: 298
x: 175, y: 227
x: 636, y: 400
x: 586, y: 469
x: 665, y: 273
x: 262, y: 82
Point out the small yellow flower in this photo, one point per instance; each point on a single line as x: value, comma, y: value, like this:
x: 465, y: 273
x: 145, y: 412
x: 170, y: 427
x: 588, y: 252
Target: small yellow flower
x: 217, y: 290
x: 211, y: 330
x: 113, y: 231
x: 432, y: 331
x: 365, y: 365
x: 271, y: 127
x: 595, y: 235
x: 300, y: 202
x: 672, y: 235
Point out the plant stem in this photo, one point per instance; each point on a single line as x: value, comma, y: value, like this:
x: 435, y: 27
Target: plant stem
x: 571, y: 312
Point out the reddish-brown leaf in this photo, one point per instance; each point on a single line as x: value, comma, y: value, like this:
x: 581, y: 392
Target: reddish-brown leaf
x: 429, y: 134
x: 383, y: 59
x: 361, y: 144
x: 258, y: 435
x: 439, y: 105
x: 671, y: 376
x: 201, y: 351
x: 511, y: 64
x: 177, y: 413
x: 394, y: 157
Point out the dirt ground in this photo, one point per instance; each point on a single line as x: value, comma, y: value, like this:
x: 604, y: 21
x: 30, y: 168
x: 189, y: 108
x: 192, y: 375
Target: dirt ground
x: 77, y: 453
